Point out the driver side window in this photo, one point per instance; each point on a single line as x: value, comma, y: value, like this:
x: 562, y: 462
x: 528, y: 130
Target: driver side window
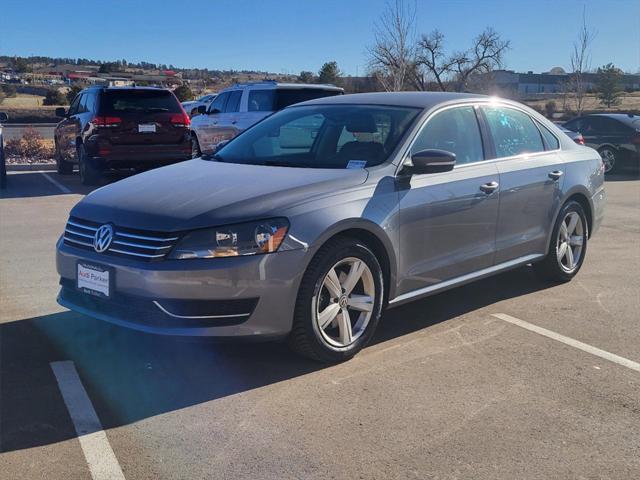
x: 219, y: 102
x: 454, y: 130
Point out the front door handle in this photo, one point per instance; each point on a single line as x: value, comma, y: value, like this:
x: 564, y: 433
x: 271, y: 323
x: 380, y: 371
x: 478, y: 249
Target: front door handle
x: 555, y: 175
x: 489, y: 188
x: 233, y: 122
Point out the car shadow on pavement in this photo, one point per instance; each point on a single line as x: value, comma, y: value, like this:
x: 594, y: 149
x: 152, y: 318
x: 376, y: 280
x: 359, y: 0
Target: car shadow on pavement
x: 622, y: 177
x: 131, y: 376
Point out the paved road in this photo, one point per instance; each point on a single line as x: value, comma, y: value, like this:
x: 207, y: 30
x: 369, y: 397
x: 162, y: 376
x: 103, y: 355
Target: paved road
x: 447, y: 390
x: 17, y: 129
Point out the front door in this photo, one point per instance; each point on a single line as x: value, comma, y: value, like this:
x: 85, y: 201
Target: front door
x: 448, y: 220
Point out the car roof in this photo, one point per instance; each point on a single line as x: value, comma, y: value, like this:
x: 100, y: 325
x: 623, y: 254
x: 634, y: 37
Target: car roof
x: 399, y: 99
x: 272, y: 85
x: 622, y: 117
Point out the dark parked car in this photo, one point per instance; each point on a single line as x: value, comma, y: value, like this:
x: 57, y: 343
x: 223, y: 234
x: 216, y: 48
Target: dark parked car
x: 575, y: 136
x: 3, y: 165
x: 616, y: 136
x: 110, y: 128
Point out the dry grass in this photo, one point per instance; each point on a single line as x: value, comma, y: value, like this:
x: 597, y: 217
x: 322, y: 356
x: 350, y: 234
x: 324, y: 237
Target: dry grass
x: 630, y: 101
x: 22, y: 100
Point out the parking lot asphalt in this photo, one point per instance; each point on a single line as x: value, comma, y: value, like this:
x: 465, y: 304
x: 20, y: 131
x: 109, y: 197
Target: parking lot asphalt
x: 447, y: 390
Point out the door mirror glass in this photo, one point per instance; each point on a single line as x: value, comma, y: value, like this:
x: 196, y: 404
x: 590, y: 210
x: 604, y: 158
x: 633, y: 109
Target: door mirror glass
x: 3, y: 117
x: 202, y: 109
x: 61, y: 112
x: 432, y: 161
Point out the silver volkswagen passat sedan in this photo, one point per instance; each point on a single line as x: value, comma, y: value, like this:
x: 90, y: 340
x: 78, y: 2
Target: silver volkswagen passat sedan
x: 307, y: 225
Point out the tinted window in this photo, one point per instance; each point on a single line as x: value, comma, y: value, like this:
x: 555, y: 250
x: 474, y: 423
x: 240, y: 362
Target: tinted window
x: 219, y: 102
x: 73, y: 109
x: 454, y: 130
x: 609, y: 125
x: 261, y: 100
x: 134, y: 101
x: 290, y: 96
x: 309, y: 137
x: 82, y: 106
x: 513, y: 132
x: 550, y: 139
x: 233, y: 104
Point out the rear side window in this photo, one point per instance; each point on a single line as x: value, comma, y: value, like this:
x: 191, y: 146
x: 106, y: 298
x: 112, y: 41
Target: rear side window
x: 455, y: 130
x: 233, y: 104
x: 550, y: 139
x: 513, y: 132
x: 261, y: 100
x: 139, y: 101
x: 290, y: 96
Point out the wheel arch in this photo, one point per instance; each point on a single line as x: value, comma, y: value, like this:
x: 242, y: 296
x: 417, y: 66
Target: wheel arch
x: 376, y: 239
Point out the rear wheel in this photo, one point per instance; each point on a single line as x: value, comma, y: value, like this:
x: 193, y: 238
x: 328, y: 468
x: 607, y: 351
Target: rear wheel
x: 63, y: 167
x: 609, y: 158
x: 339, y: 302
x: 568, y: 245
x: 89, y: 175
x: 195, y: 147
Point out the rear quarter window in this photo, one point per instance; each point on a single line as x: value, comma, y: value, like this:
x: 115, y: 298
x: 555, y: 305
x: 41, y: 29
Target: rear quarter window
x: 139, y: 101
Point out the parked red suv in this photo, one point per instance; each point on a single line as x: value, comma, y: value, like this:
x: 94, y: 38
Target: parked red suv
x: 116, y: 127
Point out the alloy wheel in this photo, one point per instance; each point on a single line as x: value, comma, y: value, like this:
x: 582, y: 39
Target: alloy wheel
x: 570, y: 241
x: 608, y: 159
x: 345, y: 302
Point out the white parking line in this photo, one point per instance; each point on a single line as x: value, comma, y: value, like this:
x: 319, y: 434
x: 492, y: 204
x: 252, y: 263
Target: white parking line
x: 55, y: 182
x: 98, y: 453
x: 625, y: 362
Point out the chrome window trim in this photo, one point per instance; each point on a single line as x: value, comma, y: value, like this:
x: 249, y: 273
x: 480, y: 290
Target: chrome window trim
x: 476, y: 104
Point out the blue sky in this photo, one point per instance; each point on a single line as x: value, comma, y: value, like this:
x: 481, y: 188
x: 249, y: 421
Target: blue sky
x: 287, y: 36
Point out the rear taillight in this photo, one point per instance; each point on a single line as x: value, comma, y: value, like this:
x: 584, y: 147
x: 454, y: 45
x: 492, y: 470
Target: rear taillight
x: 636, y: 139
x: 580, y: 140
x: 106, y: 122
x: 180, y: 120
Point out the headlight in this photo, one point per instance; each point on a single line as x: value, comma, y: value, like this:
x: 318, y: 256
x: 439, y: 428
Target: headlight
x: 233, y: 240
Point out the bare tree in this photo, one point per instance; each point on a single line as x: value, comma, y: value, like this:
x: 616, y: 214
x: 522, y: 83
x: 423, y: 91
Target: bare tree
x: 486, y: 54
x: 581, y: 63
x: 391, y: 58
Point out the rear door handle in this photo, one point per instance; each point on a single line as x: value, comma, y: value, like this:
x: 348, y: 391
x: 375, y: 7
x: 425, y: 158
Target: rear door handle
x: 556, y: 174
x: 489, y: 188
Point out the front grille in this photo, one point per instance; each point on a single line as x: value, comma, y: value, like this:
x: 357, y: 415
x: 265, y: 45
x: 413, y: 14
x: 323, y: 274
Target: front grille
x: 127, y: 243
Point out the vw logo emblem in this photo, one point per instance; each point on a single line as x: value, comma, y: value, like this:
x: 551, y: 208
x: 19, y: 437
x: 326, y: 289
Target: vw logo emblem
x: 102, y: 238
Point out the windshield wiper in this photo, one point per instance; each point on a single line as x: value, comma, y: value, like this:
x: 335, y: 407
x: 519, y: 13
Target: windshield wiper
x: 276, y: 163
x: 212, y: 156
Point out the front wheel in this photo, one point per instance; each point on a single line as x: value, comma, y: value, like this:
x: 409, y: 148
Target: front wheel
x: 339, y: 302
x: 63, y: 167
x: 568, y: 245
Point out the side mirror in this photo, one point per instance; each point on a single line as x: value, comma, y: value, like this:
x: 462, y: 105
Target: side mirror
x: 202, y: 109
x: 432, y: 161
x: 61, y: 112
x: 3, y: 117
x: 220, y: 145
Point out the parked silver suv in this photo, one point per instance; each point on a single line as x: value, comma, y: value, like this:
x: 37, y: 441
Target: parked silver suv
x: 237, y: 108
x: 311, y: 222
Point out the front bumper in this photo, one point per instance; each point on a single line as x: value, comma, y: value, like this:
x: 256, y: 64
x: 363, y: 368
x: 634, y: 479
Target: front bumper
x: 225, y: 297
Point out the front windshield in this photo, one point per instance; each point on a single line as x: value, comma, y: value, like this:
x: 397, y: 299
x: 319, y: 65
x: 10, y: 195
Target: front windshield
x: 322, y: 136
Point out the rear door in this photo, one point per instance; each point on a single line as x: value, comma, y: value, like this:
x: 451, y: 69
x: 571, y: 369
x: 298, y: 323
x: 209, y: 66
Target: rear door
x: 448, y: 220
x: 142, y: 116
x: 231, y: 116
x: 531, y: 177
x: 68, y: 129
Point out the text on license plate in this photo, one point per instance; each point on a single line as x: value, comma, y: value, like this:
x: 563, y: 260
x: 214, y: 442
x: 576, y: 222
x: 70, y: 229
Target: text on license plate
x: 147, y: 127
x: 93, y: 280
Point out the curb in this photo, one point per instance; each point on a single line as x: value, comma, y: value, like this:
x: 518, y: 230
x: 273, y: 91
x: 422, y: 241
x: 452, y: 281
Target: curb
x: 26, y: 167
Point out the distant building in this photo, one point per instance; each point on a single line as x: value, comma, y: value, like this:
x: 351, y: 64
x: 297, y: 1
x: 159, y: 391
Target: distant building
x: 554, y: 81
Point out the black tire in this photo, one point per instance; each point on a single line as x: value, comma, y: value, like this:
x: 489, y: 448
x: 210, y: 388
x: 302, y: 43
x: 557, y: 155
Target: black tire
x: 552, y: 268
x: 89, y: 175
x: 305, y: 338
x: 195, y: 147
x: 63, y: 167
x: 610, y: 157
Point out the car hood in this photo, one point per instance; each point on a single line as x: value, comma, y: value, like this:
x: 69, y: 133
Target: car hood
x: 200, y: 193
